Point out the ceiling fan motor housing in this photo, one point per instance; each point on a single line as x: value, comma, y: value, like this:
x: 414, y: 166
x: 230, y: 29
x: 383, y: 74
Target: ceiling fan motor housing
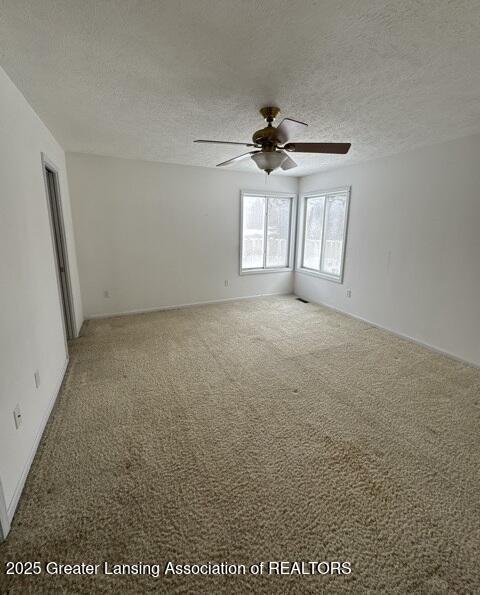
x: 265, y: 136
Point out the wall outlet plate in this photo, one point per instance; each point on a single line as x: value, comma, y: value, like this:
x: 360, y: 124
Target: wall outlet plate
x: 17, y: 416
x: 349, y: 293
x: 37, y: 378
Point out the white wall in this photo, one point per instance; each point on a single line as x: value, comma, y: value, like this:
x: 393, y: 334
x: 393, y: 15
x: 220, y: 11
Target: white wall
x: 156, y: 235
x: 31, y: 332
x: 413, y: 247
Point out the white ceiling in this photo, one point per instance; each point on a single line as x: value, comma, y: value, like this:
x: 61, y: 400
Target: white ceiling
x: 142, y: 79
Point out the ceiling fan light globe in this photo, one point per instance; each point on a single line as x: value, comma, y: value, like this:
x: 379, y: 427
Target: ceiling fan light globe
x: 269, y: 161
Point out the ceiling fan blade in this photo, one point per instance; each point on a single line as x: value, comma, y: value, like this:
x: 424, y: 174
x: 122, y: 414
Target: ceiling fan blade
x: 288, y: 128
x: 224, y: 142
x: 239, y: 158
x: 337, y: 148
x: 288, y: 162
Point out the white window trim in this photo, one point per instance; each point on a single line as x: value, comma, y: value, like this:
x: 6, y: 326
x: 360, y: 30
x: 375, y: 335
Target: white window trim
x: 291, y: 234
x: 301, y: 233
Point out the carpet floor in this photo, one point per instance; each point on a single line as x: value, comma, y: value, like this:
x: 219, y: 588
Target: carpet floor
x: 257, y: 430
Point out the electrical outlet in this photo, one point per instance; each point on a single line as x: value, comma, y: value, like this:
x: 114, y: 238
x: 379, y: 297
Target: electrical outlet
x: 226, y: 282
x: 349, y: 293
x: 106, y: 294
x: 17, y: 416
x: 37, y: 378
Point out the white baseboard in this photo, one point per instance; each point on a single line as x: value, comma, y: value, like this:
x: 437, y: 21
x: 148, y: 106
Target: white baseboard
x: 4, y: 520
x: 396, y: 333
x: 181, y: 306
x: 21, y: 483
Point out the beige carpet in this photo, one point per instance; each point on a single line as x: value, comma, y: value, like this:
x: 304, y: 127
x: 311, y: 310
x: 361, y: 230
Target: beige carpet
x: 259, y: 430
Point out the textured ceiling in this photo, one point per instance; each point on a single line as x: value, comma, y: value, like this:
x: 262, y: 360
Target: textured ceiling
x: 142, y: 79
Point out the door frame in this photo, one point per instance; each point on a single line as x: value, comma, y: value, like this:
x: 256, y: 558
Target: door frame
x: 68, y: 309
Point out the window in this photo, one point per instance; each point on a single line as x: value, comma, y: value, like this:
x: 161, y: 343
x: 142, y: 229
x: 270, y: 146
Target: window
x: 267, y: 222
x: 324, y: 232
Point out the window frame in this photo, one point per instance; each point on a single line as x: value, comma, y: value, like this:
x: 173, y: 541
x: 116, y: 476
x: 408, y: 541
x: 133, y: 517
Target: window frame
x: 302, y: 220
x: 291, y: 231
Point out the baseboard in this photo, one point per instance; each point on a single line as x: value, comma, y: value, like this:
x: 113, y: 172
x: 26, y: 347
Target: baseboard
x: 21, y: 483
x: 182, y: 306
x: 396, y: 333
x: 79, y: 328
x: 80, y: 332
x: 4, y: 520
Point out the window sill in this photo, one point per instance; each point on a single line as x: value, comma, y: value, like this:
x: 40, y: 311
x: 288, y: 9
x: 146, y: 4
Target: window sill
x: 311, y: 273
x: 263, y: 271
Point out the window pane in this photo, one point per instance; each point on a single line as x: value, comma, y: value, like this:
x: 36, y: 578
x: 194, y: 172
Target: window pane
x: 253, y: 232
x: 278, y: 231
x: 312, y: 245
x: 334, y: 226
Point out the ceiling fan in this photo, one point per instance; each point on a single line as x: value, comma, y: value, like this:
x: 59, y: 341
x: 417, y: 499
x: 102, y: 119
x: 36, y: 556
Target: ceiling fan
x: 269, y: 154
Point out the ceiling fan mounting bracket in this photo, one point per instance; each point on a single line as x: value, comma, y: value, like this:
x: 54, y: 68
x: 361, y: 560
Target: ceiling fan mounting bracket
x: 269, y: 113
